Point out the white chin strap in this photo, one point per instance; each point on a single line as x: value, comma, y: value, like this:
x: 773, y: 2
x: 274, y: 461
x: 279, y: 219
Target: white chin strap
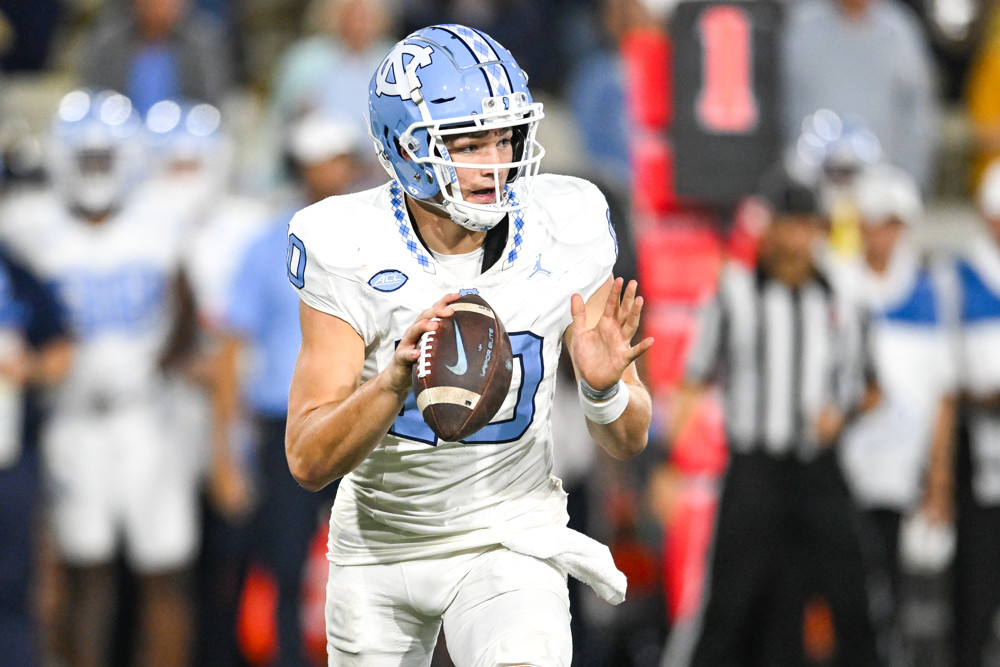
x: 475, y: 220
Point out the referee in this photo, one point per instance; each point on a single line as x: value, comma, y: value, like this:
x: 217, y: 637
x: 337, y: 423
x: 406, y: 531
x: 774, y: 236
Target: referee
x: 791, y: 358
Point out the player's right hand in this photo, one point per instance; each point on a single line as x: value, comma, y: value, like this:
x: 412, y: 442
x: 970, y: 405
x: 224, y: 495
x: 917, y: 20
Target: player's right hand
x: 230, y: 491
x: 408, y: 351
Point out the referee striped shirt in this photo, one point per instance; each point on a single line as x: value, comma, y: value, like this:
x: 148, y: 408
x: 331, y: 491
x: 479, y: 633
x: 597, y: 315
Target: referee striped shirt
x: 781, y: 355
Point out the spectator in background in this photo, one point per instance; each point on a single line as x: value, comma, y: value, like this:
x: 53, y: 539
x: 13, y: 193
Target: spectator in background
x: 121, y: 484
x: 330, y: 68
x: 160, y: 49
x: 32, y: 29
x: 898, y: 458
x: 596, y: 94
x: 533, y: 31
x: 262, y: 325
x: 791, y: 356
x: 35, y: 351
x: 982, y: 97
x: 977, y: 557
x: 867, y: 61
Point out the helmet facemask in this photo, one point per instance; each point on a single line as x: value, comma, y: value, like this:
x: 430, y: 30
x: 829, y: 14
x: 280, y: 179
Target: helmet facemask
x: 93, y: 150
x: 96, y: 184
x: 424, y: 144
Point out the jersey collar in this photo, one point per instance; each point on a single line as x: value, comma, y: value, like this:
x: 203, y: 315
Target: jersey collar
x: 415, y: 247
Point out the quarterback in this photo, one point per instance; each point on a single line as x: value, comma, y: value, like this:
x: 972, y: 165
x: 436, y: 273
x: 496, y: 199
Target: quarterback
x: 470, y: 536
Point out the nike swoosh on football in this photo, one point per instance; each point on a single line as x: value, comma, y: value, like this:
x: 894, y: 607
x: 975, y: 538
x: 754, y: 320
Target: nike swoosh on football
x: 462, y: 364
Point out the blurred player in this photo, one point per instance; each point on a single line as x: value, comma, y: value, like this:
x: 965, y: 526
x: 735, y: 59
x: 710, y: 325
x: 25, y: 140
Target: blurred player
x: 35, y: 351
x: 190, y: 157
x: 191, y: 163
x: 898, y: 457
x: 467, y: 535
x: 119, y: 481
x: 260, y: 334
x: 976, y: 571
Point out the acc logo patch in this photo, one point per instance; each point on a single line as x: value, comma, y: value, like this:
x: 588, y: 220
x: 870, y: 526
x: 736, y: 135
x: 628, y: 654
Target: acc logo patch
x: 388, y: 280
x: 393, y: 66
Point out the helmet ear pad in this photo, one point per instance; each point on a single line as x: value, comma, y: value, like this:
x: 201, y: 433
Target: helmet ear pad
x: 419, y: 178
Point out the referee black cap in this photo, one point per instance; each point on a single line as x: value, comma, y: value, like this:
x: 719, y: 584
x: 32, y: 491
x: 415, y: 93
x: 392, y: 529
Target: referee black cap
x: 787, y: 196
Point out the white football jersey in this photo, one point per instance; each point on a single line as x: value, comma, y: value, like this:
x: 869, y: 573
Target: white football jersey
x: 979, y: 277
x: 911, y: 333
x: 116, y: 280
x: 357, y: 257
x: 215, y: 247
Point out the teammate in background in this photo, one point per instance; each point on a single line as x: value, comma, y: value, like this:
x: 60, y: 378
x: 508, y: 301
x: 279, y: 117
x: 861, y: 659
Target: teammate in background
x: 898, y: 458
x: 190, y: 164
x: 260, y: 331
x: 35, y: 352
x: 467, y: 535
x: 789, y: 352
x: 190, y: 156
x: 118, y: 481
x: 976, y: 571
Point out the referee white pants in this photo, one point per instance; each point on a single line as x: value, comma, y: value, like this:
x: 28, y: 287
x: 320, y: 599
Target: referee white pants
x: 498, y: 608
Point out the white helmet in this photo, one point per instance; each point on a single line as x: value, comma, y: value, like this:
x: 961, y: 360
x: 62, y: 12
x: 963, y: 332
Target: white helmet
x: 94, y: 139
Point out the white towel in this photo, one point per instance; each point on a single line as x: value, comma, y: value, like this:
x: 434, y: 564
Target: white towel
x: 576, y: 554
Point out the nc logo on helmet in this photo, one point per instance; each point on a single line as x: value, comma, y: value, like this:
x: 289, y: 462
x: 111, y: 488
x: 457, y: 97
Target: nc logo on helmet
x: 393, y: 66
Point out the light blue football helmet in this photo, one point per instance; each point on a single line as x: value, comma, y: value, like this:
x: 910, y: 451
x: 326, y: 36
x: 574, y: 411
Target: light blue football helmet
x: 93, y: 150
x: 447, y: 80
x: 184, y: 132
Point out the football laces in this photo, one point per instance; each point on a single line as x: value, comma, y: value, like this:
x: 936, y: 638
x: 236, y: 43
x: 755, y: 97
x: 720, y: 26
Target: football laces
x: 426, y: 345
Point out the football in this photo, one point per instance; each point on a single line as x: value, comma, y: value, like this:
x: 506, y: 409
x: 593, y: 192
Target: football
x: 464, y: 370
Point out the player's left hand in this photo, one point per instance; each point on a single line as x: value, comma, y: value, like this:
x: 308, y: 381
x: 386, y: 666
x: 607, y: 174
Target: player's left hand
x: 603, y: 352
x: 230, y: 491
x: 828, y: 426
x: 938, y: 504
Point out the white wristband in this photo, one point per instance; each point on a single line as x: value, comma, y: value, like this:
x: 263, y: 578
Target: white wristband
x: 608, y: 410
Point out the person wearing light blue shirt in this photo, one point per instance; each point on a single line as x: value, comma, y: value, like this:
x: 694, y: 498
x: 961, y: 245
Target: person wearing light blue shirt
x: 261, y: 334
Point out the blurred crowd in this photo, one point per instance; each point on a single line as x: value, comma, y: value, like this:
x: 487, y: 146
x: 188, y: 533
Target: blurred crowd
x: 778, y: 171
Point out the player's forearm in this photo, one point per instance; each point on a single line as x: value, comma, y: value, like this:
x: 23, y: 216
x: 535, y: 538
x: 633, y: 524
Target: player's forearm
x: 626, y: 436
x: 325, y: 443
x: 682, y: 409
x: 941, y: 463
x: 49, y: 365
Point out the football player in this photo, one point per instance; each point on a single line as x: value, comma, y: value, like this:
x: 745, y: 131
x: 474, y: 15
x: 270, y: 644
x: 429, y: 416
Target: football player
x: 35, y: 352
x: 898, y: 459
x: 466, y: 535
x: 977, y: 479
x: 119, y: 481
